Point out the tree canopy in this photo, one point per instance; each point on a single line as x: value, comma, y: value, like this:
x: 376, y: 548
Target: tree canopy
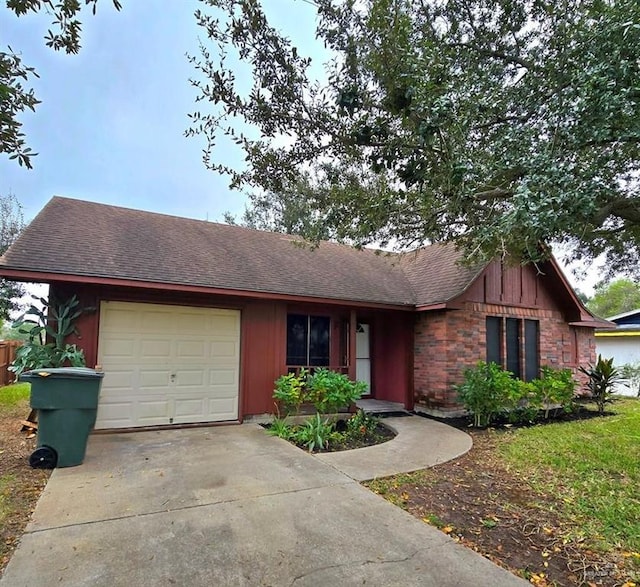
x: 615, y: 297
x: 15, y: 98
x: 501, y: 125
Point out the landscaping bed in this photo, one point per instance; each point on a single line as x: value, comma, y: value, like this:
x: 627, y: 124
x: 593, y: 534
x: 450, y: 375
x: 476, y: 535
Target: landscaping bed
x: 20, y: 485
x: 556, y: 504
x: 343, y: 436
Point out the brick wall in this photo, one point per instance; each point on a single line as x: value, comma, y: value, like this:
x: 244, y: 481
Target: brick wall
x: 447, y: 342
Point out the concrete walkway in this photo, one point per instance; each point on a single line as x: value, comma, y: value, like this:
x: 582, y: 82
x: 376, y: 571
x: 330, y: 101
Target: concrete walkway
x: 228, y: 506
x: 420, y: 443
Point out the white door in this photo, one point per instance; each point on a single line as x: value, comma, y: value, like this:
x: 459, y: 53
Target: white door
x: 363, y: 355
x: 167, y: 364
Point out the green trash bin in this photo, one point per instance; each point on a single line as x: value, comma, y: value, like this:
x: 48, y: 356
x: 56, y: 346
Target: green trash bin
x: 67, y: 402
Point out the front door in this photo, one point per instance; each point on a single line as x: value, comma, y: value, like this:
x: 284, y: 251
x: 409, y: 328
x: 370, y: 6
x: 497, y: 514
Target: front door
x: 363, y: 354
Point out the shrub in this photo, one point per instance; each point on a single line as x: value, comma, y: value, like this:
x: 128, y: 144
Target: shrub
x: 631, y: 372
x: 315, y: 433
x: 522, y: 405
x: 487, y: 390
x: 290, y: 391
x: 602, y: 379
x: 555, y: 387
x: 330, y: 391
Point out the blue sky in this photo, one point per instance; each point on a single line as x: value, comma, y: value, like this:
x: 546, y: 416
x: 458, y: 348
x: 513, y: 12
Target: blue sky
x: 111, y: 123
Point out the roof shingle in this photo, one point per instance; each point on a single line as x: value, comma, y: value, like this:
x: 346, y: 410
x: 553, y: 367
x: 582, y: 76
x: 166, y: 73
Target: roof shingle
x: 75, y: 237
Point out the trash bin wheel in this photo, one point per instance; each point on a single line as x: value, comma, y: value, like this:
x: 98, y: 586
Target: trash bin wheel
x: 44, y: 457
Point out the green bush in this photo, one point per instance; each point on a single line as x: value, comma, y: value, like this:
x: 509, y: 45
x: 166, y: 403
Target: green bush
x: 555, y: 387
x: 330, y: 391
x: 522, y: 405
x: 327, y: 390
x: 631, y: 372
x: 486, y: 391
x: 290, y: 391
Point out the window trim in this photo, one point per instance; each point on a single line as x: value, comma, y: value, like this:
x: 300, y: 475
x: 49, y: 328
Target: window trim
x: 500, y: 330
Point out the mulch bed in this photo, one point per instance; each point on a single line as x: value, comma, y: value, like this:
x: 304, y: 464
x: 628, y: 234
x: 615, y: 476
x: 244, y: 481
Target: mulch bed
x: 378, y: 436
x: 480, y: 503
x: 20, y: 485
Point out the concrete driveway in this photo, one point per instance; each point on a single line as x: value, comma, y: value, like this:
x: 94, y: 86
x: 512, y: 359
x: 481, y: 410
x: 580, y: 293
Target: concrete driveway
x: 227, y: 506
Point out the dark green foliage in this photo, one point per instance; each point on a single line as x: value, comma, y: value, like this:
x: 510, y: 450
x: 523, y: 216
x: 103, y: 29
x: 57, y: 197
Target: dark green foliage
x: 489, y: 391
x: 615, y: 297
x: 48, y: 326
x: 500, y: 125
x: 555, y: 388
x: 602, y: 379
x: 328, y: 391
x: 290, y: 391
x: 486, y: 391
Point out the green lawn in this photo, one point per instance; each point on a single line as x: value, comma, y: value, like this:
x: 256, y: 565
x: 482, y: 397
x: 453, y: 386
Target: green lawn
x: 13, y: 394
x: 593, y: 466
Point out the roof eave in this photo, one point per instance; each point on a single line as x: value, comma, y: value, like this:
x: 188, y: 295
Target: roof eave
x: 596, y: 323
x: 51, y: 277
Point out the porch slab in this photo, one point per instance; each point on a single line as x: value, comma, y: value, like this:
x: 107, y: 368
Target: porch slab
x: 376, y: 406
x: 419, y: 443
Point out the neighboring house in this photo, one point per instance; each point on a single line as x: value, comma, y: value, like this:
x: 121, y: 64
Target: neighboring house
x: 623, y: 344
x: 194, y: 320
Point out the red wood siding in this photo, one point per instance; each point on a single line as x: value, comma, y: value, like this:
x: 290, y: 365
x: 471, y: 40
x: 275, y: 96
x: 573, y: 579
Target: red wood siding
x: 263, y: 337
x: 389, y: 357
x: 516, y: 286
x: 263, y: 354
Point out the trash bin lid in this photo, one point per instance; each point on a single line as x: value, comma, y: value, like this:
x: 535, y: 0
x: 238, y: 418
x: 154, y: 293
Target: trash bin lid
x: 79, y: 372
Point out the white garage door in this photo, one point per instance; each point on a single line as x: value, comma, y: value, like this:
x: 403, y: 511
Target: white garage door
x: 167, y: 364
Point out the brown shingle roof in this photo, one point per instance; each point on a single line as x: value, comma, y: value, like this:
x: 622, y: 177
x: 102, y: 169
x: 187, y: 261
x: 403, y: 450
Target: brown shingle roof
x: 436, y: 275
x: 74, y: 237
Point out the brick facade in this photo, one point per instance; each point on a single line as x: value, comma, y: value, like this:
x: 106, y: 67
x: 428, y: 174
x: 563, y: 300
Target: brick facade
x: 448, y: 341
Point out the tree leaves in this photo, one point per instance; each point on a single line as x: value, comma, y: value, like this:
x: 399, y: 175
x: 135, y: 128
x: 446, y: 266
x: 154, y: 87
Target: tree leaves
x: 498, y: 125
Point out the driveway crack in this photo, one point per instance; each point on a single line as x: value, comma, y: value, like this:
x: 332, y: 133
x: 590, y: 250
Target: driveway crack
x: 353, y: 564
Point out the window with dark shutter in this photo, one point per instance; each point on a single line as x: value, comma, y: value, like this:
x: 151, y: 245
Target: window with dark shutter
x: 513, y: 346
x: 494, y: 340
x: 531, y: 350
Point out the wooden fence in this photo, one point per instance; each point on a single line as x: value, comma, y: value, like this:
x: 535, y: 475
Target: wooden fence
x: 7, y: 355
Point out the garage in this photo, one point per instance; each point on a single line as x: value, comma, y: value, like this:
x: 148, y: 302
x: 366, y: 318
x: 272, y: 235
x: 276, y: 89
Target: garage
x: 167, y: 364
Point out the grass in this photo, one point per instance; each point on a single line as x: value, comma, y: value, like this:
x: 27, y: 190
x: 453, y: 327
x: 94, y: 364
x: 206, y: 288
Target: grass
x: 594, y: 467
x: 11, y: 395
